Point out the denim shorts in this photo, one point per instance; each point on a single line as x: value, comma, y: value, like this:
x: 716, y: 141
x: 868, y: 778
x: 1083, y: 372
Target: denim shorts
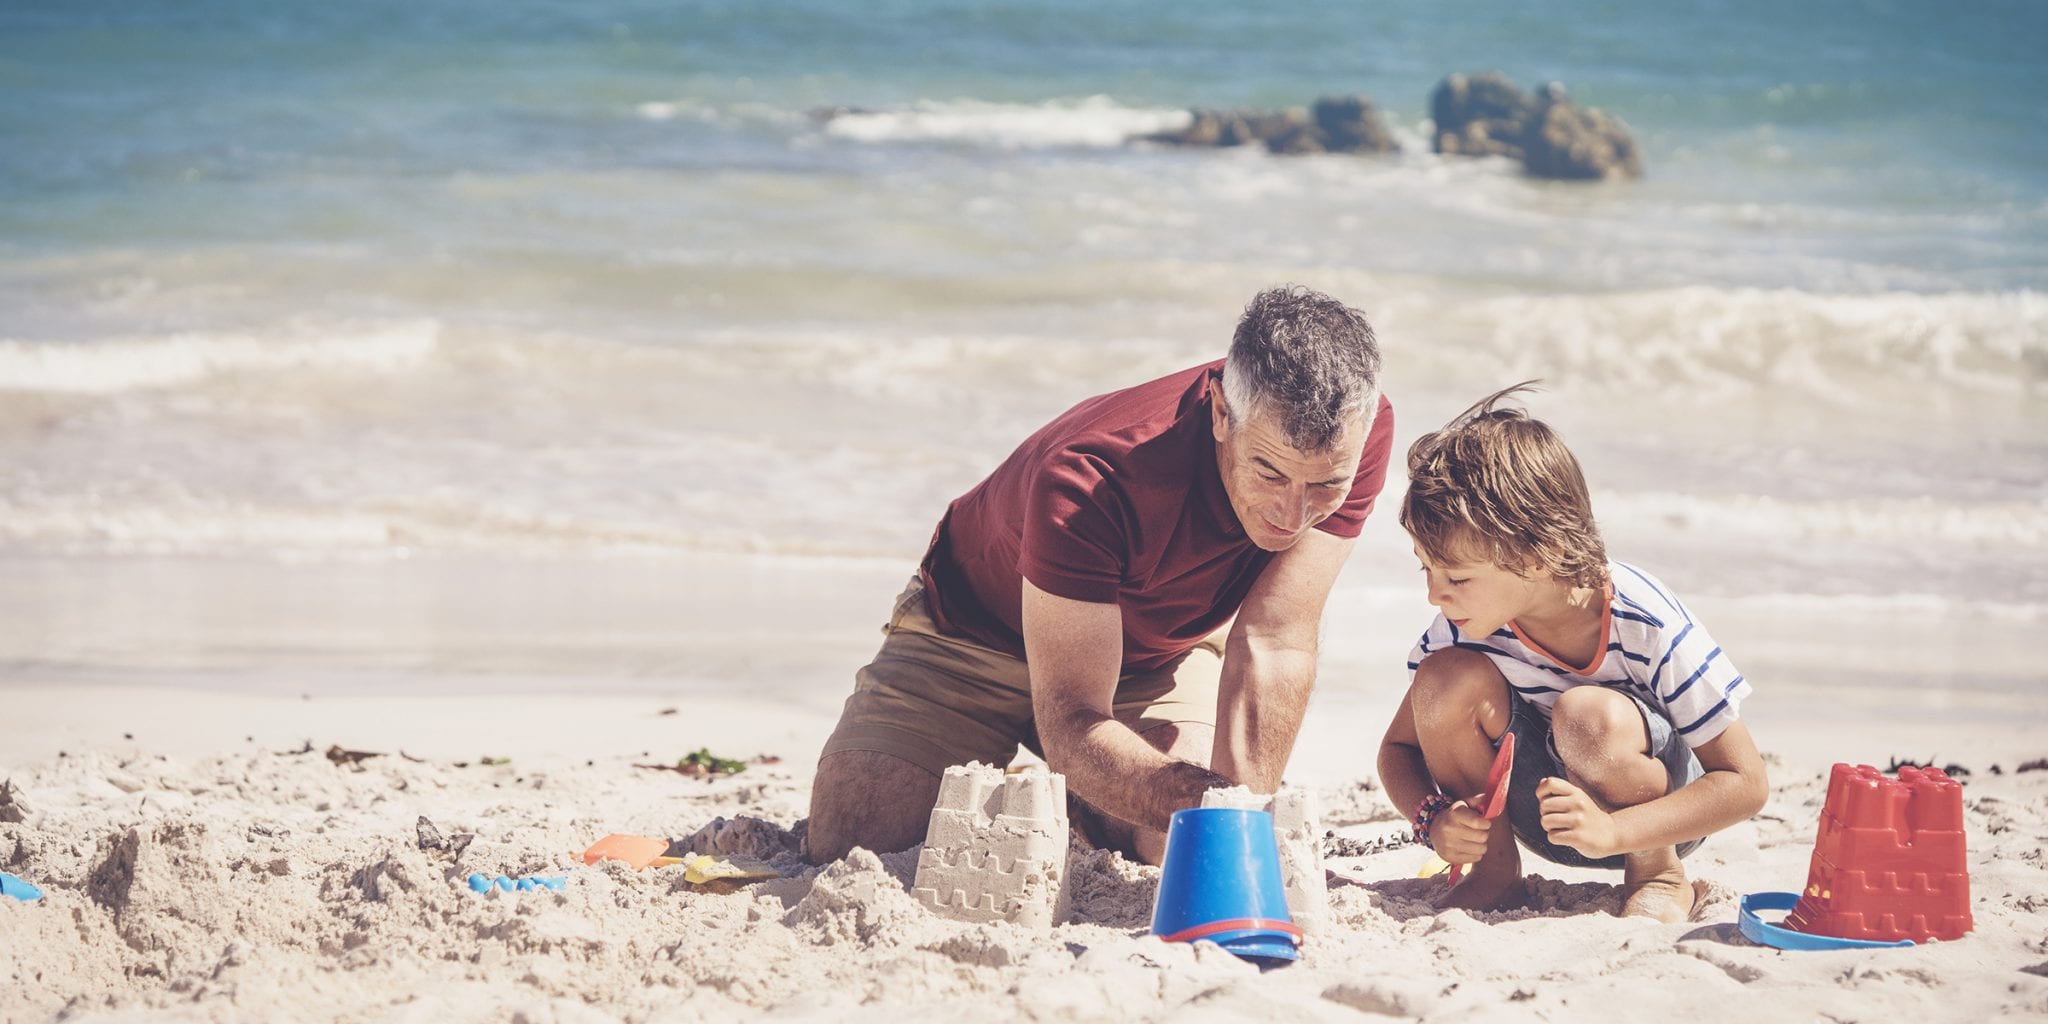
x: 1536, y: 757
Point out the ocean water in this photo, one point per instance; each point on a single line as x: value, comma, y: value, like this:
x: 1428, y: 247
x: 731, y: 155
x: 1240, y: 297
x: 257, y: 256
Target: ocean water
x: 320, y: 284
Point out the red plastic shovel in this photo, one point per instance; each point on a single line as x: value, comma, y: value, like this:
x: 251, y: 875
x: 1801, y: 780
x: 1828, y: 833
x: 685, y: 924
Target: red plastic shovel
x: 637, y: 851
x: 1496, y: 795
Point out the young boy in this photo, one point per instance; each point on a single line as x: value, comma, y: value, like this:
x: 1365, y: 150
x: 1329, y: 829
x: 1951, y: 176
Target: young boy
x: 1627, y: 746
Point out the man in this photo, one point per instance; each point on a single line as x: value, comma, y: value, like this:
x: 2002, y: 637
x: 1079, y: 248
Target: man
x: 1135, y: 593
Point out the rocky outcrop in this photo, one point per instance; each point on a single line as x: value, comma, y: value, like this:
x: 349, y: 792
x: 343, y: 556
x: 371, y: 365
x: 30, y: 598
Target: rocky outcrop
x: 1476, y: 115
x: 1487, y: 115
x: 1351, y: 124
x: 1336, y: 124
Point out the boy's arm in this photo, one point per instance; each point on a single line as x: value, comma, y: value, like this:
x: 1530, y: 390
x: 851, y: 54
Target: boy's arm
x: 1459, y: 832
x: 1403, y: 772
x: 1733, y: 789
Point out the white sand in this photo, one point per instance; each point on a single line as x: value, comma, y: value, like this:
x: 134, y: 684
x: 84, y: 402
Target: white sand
x: 196, y: 870
x: 234, y: 881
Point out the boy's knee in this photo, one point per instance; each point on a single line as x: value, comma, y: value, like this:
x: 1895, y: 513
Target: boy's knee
x: 1457, y: 672
x: 1455, y: 681
x: 1455, y: 668
x: 1593, y: 722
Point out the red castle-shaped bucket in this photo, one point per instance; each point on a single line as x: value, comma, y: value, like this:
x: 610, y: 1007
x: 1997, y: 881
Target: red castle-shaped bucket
x: 1888, y: 863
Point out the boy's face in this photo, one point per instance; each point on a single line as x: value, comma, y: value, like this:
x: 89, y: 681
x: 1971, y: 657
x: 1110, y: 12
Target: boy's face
x: 1479, y: 597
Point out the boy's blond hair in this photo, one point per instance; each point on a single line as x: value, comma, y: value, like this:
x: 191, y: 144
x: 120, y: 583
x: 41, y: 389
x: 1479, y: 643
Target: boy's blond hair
x: 1495, y: 485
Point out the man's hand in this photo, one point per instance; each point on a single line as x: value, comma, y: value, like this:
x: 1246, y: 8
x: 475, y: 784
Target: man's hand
x: 1075, y: 652
x: 1458, y: 835
x: 1572, y: 818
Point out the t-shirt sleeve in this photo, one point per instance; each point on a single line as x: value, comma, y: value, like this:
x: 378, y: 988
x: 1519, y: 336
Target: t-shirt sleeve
x: 1349, y: 519
x: 1073, y: 539
x: 1437, y: 637
x: 1697, y: 682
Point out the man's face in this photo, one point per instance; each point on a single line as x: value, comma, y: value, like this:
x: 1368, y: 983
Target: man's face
x: 1280, y: 492
x: 1478, y: 596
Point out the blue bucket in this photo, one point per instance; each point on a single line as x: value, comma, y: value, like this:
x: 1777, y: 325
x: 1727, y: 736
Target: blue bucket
x: 1221, y: 883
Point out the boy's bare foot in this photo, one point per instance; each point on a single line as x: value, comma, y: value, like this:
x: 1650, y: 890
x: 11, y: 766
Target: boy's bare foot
x: 1654, y: 885
x: 1483, y: 890
x: 1495, y: 881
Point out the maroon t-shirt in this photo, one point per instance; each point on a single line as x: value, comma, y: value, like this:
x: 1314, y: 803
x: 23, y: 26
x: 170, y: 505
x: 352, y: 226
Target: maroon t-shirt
x: 1117, y: 500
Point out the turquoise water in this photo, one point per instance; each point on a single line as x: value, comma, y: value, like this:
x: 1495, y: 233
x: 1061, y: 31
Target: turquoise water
x: 245, y: 121
x: 369, y: 279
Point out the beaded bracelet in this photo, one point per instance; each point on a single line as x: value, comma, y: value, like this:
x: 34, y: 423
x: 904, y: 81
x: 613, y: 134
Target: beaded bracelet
x: 1426, y: 812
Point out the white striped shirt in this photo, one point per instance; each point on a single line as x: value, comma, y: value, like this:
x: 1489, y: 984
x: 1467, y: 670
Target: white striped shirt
x: 1653, y: 648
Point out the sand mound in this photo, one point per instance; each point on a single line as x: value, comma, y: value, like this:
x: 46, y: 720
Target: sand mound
x: 286, y: 886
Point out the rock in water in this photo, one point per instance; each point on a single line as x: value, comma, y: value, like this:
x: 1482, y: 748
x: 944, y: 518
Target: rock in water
x: 1336, y: 124
x: 1487, y: 115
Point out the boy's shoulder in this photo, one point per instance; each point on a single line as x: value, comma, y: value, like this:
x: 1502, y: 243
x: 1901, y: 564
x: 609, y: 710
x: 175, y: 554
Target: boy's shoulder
x: 1644, y: 599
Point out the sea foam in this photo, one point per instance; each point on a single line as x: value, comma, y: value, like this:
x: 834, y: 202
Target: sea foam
x: 1917, y: 522
x: 1094, y: 121
x: 1721, y: 340
x: 116, y: 365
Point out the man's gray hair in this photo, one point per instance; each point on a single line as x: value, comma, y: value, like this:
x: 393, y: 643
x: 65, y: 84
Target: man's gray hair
x: 1306, y: 361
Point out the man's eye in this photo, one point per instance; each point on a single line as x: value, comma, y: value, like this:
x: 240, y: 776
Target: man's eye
x: 1273, y: 479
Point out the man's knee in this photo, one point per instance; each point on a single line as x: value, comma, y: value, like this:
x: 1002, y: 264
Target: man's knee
x: 869, y: 799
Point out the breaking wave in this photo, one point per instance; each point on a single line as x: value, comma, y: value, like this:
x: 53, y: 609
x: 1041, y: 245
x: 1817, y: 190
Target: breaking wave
x: 116, y: 365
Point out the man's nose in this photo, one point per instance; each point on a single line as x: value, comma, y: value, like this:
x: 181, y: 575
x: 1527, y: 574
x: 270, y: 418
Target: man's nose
x: 1294, y: 510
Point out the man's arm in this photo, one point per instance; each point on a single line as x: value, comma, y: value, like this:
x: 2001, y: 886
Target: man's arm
x: 1269, y: 665
x: 1075, y: 653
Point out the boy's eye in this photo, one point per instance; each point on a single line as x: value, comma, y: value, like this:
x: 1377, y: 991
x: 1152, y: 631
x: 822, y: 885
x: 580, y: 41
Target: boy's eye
x: 1456, y: 582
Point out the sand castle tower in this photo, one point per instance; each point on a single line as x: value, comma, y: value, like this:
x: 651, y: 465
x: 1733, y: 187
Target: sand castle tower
x: 1297, y: 827
x: 996, y: 848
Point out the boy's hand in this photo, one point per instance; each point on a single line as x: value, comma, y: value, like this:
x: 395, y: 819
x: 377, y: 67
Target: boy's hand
x: 1459, y: 834
x: 1571, y: 818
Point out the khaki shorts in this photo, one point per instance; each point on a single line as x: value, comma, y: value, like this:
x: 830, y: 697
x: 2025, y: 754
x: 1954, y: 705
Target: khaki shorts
x: 938, y: 700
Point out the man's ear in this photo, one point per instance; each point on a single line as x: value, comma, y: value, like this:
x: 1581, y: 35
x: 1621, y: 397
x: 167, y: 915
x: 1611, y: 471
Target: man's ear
x: 1219, y: 415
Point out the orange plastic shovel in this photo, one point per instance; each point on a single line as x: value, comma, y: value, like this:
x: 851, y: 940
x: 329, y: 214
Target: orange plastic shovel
x: 1496, y: 796
x: 637, y: 851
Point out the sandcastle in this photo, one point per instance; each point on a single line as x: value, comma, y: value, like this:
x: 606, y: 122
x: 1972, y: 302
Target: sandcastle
x: 1297, y: 828
x: 996, y: 848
